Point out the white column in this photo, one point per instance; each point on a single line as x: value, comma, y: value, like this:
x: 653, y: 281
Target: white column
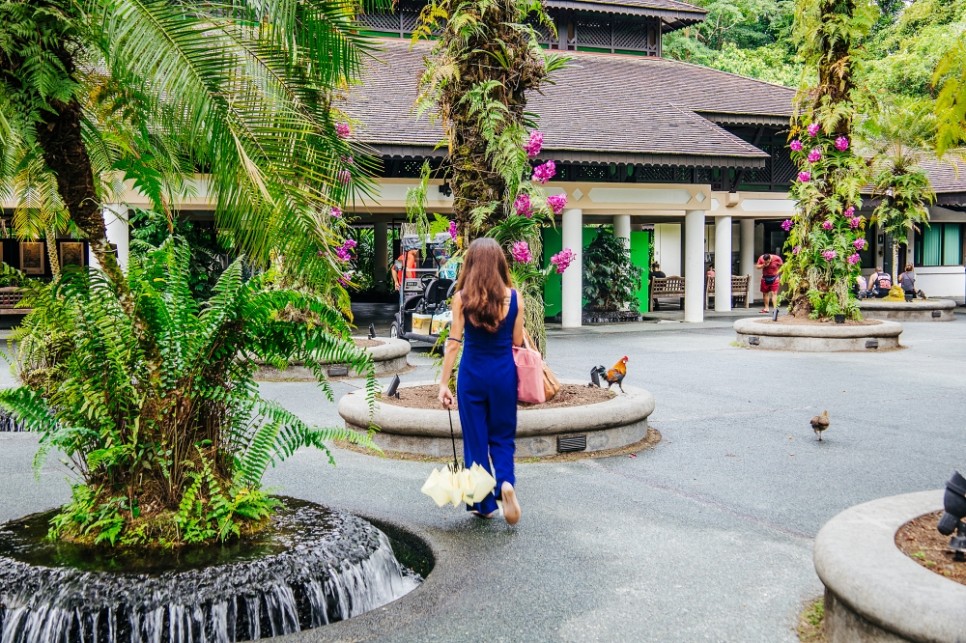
x: 747, y: 246
x: 115, y: 220
x: 722, y: 263
x: 381, y: 256
x: 622, y: 228
x: 573, y: 277
x: 694, y: 266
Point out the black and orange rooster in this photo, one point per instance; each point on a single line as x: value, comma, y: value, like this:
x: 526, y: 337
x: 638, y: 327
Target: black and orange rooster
x: 613, y: 376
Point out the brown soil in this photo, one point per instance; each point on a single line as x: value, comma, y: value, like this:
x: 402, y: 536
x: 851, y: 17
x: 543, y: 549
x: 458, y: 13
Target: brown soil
x: 367, y: 343
x: 919, y: 540
x: 805, y: 321
x: 425, y: 397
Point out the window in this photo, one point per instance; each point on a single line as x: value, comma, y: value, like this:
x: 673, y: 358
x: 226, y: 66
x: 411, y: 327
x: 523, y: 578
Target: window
x: 941, y: 244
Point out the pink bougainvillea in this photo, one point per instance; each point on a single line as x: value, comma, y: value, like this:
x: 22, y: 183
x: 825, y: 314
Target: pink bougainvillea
x: 336, y: 212
x: 796, y: 145
x: 827, y: 225
x: 841, y: 143
x: 562, y: 260
x: 849, y: 212
x: 344, y: 279
x: 343, y: 130
x: 520, y: 251
x: 453, y: 231
x: 345, y: 176
x: 545, y: 172
x: 804, y: 177
x: 796, y: 250
x: 813, y: 129
x: 854, y: 258
x: 828, y: 255
x: 787, y: 225
x: 535, y: 144
x: 855, y: 223
x: 815, y: 155
x: 557, y: 202
x: 859, y: 243
x: 523, y: 206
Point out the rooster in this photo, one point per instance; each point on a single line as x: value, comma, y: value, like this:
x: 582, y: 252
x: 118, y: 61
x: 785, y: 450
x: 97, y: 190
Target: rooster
x: 820, y: 423
x: 615, y: 375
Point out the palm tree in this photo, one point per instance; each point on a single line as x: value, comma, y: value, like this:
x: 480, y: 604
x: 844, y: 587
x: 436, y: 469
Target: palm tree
x: 93, y: 91
x: 148, y: 391
x: 899, y: 134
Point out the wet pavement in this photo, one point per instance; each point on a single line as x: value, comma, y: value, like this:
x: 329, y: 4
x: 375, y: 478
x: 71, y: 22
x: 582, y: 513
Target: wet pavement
x: 705, y: 537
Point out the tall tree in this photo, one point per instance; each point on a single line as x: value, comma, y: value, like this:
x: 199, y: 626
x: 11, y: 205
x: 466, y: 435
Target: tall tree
x: 476, y: 80
x: 825, y: 232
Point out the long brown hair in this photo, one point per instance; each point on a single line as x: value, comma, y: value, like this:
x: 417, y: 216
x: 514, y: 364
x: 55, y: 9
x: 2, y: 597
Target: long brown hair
x: 483, y: 281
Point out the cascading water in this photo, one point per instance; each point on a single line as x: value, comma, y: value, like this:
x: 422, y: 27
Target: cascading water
x: 313, y: 567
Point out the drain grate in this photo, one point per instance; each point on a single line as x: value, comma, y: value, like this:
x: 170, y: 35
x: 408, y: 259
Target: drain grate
x: 872, y: 343
x: 339, y: 370
x: 936, y: 314
x: 753, y: 341
x: 571, y: 443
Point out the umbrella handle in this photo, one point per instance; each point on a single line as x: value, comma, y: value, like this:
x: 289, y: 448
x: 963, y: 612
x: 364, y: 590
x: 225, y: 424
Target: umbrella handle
x: 452, y: 435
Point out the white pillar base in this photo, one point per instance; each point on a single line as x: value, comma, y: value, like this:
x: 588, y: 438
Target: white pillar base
x: 722, y: 264
x: 115, y: 220
x: 380, y: 260
x: 694, y: 266
x: 571, y: 295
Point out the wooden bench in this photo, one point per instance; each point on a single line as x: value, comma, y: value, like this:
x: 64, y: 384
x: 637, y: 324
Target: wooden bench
x: 667, y: 288
x: 739, y: 290
x: 10, y: 296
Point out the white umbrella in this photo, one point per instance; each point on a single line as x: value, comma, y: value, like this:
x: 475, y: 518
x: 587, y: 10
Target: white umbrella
x: 455, y: 484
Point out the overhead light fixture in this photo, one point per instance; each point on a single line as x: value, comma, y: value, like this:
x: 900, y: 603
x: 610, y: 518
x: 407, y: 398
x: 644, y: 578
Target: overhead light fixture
x: 372, y: 331
x: 391, y: 390
x: 954, y: 509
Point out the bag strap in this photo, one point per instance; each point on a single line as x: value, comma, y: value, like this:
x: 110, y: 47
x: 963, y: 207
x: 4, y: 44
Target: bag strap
x: 452, y: 435
x: 528, y: 342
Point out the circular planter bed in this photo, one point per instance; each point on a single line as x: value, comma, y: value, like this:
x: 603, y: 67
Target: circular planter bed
x: 813, y: 336
x: 388, y: 357
x: 917, y: 310
x: 873, y: 591
x: 542, y: 430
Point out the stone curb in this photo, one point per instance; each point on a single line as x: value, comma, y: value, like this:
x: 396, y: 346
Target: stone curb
x: 615, y: 423
x: 766, y: 334
x: 921, y: 310
x: 881, y: 590
x: 636, y: 405
x: 388, y: 358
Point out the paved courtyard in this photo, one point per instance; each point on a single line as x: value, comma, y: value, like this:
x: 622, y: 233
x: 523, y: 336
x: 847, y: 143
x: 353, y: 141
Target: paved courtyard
x: 706, y: 537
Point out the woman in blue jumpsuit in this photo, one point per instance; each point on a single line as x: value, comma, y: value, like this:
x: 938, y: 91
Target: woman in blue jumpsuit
x: 487, y: 323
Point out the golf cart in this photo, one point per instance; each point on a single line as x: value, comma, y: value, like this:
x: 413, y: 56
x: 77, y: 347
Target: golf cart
x: 423, y: 293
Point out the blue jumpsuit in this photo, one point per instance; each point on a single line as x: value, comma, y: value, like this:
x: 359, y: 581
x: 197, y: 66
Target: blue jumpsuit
x: 486, y: 395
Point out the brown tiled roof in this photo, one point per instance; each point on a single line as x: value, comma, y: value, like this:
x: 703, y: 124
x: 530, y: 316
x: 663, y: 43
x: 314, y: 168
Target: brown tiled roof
x: 948, y: 176
x: 603, y: 108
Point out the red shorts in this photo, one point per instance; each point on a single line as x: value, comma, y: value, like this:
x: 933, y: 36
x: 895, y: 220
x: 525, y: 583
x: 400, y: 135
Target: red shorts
x: 772, y: 287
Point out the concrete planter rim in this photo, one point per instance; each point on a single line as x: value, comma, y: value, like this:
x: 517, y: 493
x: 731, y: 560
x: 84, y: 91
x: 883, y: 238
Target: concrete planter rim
x: 768, y: 328
x: 857, y: 559
x: 636, y: 405
x: 915, y: 304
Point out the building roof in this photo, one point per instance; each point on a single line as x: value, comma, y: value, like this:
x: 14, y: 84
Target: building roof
x: 948, y: 179
x: 602, y: 108
x: 673, y: 13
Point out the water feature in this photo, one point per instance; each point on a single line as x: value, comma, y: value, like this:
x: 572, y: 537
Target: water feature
x: 312, y: 567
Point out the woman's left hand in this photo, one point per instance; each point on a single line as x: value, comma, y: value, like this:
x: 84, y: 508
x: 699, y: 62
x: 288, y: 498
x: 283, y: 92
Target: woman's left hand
x: 445, y: 397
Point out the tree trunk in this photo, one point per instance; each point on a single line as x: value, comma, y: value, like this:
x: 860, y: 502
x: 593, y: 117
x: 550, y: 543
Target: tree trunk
x: 52, y: 251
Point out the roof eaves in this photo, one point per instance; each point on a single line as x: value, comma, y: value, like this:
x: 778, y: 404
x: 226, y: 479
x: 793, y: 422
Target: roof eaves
x: 406, y: 152
x: 670, y: 16
x: 720, y: 118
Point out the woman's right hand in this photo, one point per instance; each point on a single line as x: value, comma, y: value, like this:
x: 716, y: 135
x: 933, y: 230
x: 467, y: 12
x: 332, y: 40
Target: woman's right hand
x: 445, y: 397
